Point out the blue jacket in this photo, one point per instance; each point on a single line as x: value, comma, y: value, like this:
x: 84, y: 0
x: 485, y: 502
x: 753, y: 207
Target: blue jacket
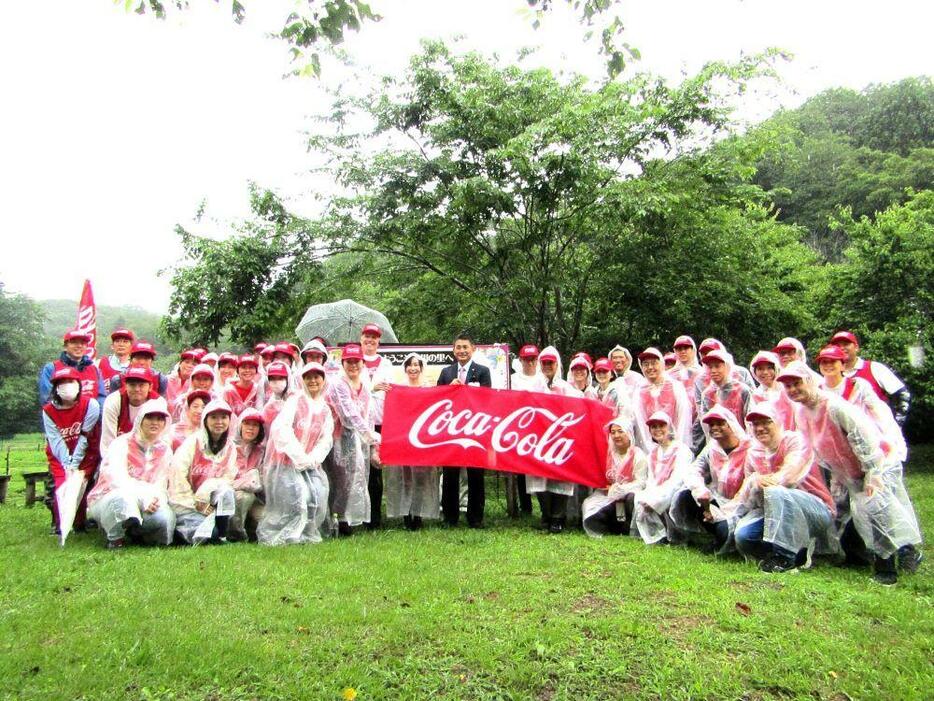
x: 45, y: 377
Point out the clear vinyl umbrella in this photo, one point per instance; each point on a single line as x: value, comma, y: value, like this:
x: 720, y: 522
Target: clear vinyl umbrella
x: 68, y: 496
x: 341, y: 322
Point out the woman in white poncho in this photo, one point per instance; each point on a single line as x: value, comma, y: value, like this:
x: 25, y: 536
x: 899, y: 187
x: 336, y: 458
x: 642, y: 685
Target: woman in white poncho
x: 355, y: 439
x: 250, y: 440
x: 203, y: 470
x: 669, y: 459
x: 412, y: 492
x: 294, y: 481
x: 611, y: 510
x: 130, y: 498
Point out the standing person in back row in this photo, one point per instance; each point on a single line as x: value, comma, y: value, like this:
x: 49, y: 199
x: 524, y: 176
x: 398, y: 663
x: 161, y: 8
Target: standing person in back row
x: 74, y: 355
x: 379, y: 371
x: 464, y: 371
x: 885, y: 383
x: 121, y: 342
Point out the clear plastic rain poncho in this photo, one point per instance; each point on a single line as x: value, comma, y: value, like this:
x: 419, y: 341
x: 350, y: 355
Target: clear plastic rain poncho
x: 850, y: 446
x: 801, y: 355
x: 715, y: 475
x: 667, y: 466
x: 181, y: 401
x: 248, y: 485
x: 625, y: 474
x: 134, y: 474
x: 629, y: 382
x: 667, y: 396
x: 412, y: 491
x: 774, y: 394
x: 255, y: 398
x: 858, y: 392
x: 349, y: 468
x: 796, y: 508
x: 732, y: 394
x: 201, y: 477
x: 533, y: 483
x: 295, y: 484
x: 702, y: 379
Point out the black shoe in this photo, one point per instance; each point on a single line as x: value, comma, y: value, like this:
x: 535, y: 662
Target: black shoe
x: 217, y: 540
x: 133, y: 527
x: 344, y: 529
x: 417, y: 523
x: 885, y: 578
x: 54, y: 530
x: 372, y: 525
x: 778, y: 563
x: 556, y: 526
x: 909, y: 558
x: 116, y: 544
x: 884, y: 571
x: 407, y: 522
x: 477, y: 525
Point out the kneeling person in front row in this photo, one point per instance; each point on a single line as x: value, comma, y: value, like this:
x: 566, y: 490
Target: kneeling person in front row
x: 611, y: 510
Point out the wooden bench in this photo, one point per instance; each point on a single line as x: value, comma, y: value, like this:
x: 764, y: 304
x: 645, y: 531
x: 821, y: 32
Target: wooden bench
x: 32, y: 478
x: 4, y: 484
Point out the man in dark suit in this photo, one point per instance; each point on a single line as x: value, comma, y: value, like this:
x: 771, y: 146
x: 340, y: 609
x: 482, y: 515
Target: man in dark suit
x: 463, y: 371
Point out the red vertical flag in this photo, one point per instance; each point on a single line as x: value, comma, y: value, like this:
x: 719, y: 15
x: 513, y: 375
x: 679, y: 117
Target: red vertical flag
x: 87, y: 317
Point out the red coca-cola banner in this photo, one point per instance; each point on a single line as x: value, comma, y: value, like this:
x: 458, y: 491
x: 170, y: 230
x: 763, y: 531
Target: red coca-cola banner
x: 560, y: 438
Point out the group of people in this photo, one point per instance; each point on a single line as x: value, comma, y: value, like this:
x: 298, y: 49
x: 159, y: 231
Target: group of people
x: 776, y: 461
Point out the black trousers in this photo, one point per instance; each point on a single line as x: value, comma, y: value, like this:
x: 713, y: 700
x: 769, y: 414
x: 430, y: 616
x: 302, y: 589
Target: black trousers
x: 451, y: 499
x: 720, y: 530
x: 375, y: 488
x: 525, y: 499
x: 607, y: 517
x: 554, y: 507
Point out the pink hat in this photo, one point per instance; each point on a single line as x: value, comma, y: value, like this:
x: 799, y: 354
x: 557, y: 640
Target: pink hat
x: 190, y: 354
x: 831, y: 353
x: 122, y: 333
x: 764, y: 358
x: 203, y: 370
x: 585, y: 356
x: 718, y: 413
x: 580, y: 361
x: 718, y: 355
x: 372, y: 329
x: 137, y: 375
x: 795, y: 371
x: 287, y: 348
x: 785, y: 344
x: 709, y: 344
x: 248, y: 360
x: 194, y: 394
x: 684, y: 342
x: 549, y: 354
x: 252, y: 414
x: 258, y: 348
x: 671, y: 359
x: 764, y: 410
x: 603, y: 364
x: 314, y: 367
x: 351, y: 352
x: 199, y: 353
x: 277, y: 369
x: 143, y: 348
x: 65, y: 373
x: 268, y: 351
x: 529, y: 350
x: 651, y: 353
x: 844, y: 337
x: 76, y: 335
x: 209, y: 358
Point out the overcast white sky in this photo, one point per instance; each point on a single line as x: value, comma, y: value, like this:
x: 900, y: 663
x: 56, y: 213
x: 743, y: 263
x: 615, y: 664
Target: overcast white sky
x: 113, y: 128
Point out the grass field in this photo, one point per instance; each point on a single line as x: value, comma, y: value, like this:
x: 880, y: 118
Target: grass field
x: 504, y: 613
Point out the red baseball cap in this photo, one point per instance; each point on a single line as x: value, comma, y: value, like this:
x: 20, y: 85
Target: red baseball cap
x: 313, y: 367
x: 143, y: 348
x: 76, y: 335
x: 795, y: 371
x: 248, y: 360
x: 684, y: 342
x: 199, y: 353
x: 603, y: 364
x: 189, y: 354
x: 277, y: 369
x: 122, y: 333
x: 268, y: 351
x: 258, y: 348
x: 194, y: 394
x: 844, y: 337
x: 651, y: 353
x: 709, y: 344
x: 580, y: 361
x: 65, y: 373
x: 551, y: 355
x: 252, y: 414
x: 785, y: 344
x: 227, y: 357
x: 716, y: 354
x: 831, y: 353
x: 765, y: 358
x: 372, y: 329
x: 351, y: 352
x: 137, y: 375
x: 529, y: 350
x: 671, y: 358
x: 764, y: 410
x: 659, y: 417
x: 287, y: 348
x: 203, y: 370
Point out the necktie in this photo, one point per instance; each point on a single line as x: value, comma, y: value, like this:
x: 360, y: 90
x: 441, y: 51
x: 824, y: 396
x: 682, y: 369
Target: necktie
x: 462, y: 374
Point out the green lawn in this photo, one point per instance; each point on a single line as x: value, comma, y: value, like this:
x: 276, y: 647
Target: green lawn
x: 504, y: 613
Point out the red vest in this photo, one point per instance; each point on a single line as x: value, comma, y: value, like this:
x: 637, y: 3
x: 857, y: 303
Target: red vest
x: 865, y: 372
x: 124, y: 422
x: 108, y: 370
x: 90, y: 376
x: 69, y: 423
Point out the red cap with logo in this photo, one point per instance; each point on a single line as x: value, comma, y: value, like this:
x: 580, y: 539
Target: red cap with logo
x: 684, y: 342
x: 190, y: 354
x: 716, y: 355
x: 372, y: 329
x: 671, y: 359
x: 831, y: 353
x: 122, y: 333
x: 529, y: 350
x: 194, y: 394
x: 258, y: 348
x: 227, y: 357
x: 286, y: 348
x: 351, y: 352
x: 252, y: 414
x: 137, y: 375
x: 76, y: 335
x: 845, y: 337
x: 549, y: 355
x: 603, y: 364
x: 709, y: 344
x: 277, y: 369
x: 143, y: 348
x: 313, y: 367
x: 651, y: 353
x: 64, y: 374
x: 268, y: 351
x: 248, y: 360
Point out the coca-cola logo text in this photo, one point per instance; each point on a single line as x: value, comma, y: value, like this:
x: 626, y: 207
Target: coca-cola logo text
x: 439, y: 425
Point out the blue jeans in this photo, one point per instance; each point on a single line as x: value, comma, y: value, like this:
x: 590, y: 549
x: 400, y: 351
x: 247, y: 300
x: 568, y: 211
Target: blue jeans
x: 749, y: 541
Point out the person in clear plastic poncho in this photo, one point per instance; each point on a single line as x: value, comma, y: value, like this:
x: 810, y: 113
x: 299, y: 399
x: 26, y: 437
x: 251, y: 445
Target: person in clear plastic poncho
x: 669, y: 460
x: 723, y: 389
x: 628, y: 381
x: 355, y: 440
x: 294, y: 482
x: 714, y: 478
x: 203, y: 470
x: 250, y: 440
x: 552, y: 494
x: 412, y: 492
x: 661, y: 393
x: 866, y: 484
x: 130, y: 499
x: 611, y: 510
x: 785, y: 507
x: 764, y: 367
